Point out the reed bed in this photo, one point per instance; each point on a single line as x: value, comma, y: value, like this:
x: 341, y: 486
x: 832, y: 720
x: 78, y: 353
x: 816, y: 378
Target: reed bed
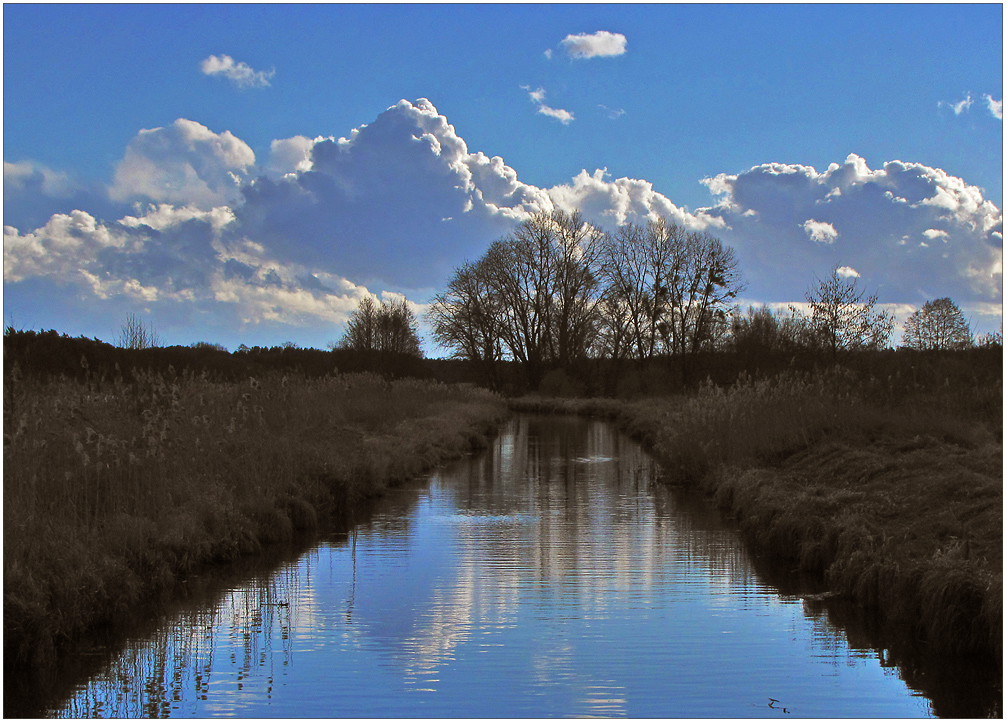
x: 894, y: 495
x: 113, y: 492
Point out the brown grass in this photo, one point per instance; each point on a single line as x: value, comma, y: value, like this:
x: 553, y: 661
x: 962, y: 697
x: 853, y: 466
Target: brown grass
x: 112, y: 496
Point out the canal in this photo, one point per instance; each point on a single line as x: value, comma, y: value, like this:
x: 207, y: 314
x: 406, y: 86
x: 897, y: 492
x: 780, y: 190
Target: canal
x: 549, y: 575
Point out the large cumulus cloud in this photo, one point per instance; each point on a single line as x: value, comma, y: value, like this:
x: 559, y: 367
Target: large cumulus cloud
x: 403, y: 200
x: 192, y: 224
x: 913, y: 232
x: 172, y: 254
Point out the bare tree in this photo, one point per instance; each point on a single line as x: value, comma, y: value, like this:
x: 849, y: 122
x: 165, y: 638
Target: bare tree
x: 362, y: 328
x: 382, y: 327
x: 467, y: 319
x: 633, y: 261
x: 843, y: 319
x: 397, y: 329
x: 575, y: 251
x: 701, y: 284
x: 675, y: 287
x: 939, y: 324
x: 544, y: 277
x: 134, y: 334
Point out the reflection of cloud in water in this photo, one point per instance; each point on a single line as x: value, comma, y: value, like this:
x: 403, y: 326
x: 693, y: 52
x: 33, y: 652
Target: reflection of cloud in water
x: 541, y: 572
x: 562, y: 520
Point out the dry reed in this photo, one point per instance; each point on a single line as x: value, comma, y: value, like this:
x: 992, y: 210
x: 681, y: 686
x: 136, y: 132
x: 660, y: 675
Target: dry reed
x: 114, y: 492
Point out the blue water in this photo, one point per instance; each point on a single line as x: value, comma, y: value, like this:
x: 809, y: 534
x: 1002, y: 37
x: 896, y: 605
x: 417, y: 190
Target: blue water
x: 548, y: 576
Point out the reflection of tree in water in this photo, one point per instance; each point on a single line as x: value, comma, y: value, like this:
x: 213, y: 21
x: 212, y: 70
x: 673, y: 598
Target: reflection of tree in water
x: 176, y: 664
x: 593, y: 503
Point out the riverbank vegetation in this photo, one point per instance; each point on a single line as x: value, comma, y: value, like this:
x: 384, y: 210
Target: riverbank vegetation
x: 890, y: 487
x: 118, y: 486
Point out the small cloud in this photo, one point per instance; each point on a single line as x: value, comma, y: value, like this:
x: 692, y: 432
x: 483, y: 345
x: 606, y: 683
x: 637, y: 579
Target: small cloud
x: 241, y: 74
x: 563, y: 116
x: 932, y: 233
x: 820, y: 232
x: 612, y: 113
x: 847, y: 273
x: 996, y: 106
x: 548, y: 53
x: 601, y: 44
x: 961, y: 106
x: 537, y: 97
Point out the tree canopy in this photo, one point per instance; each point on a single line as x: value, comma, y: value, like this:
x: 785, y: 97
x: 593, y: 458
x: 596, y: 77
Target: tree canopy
x: 939, y: 324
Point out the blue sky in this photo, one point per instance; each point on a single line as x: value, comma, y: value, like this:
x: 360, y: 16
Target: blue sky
x: 151, y: 151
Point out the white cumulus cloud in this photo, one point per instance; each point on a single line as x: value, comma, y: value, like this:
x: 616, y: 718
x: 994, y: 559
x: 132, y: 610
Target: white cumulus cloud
x: 819, y: 232
x: 601, y: 44
x: 397, y: 204
x: 183, y: 163
x: 847, y: 273
x: 771, y: 210
x: 613, y: 203
x: 241, y: 74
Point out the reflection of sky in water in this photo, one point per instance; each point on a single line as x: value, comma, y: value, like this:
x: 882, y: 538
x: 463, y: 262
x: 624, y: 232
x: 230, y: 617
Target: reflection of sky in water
x: 548, y: 577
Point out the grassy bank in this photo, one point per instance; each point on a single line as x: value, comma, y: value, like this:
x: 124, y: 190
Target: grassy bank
x: 114, y: 492
x: 894, y: 495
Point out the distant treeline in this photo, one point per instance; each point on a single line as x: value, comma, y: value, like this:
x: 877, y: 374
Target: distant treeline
x: 47, y: 355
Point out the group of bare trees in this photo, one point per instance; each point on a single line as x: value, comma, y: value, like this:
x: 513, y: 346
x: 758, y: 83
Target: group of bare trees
x: 557, y: 290
x: 382, y: 327
x: 841, y: 317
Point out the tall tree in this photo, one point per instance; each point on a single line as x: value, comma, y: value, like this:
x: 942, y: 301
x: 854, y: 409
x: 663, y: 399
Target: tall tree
x: 939, y: 324
x: 844, y: 319
x: 675, y: 287
x: 632, y: 263
x: 532, y: 297
x: 702, y: 283
x: 362, y: 328
x: 467, y: 319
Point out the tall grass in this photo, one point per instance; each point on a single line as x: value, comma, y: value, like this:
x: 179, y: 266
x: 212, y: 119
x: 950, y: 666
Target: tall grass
x: 113, y: 492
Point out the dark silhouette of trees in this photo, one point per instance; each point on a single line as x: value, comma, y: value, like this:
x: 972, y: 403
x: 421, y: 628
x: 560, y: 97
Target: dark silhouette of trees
x: 531, y: 298
x: 670, y: 289
x: 842, y: 319
x: 939, y: 324
x: 467, y: 318
x: 558, y: 290
x: 382, y: 327
x: 701, y: 283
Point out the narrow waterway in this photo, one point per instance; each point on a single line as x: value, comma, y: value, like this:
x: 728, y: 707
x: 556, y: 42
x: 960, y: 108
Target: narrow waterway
x: 550, y: 575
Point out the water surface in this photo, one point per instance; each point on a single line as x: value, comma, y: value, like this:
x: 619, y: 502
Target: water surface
x: 551, y: 575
